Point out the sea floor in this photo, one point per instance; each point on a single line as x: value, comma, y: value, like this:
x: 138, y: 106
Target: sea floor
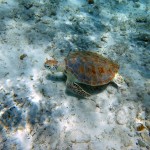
x: 36, y: 112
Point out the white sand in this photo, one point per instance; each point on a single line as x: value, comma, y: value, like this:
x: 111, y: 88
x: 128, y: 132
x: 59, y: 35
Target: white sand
x: 35, y: 110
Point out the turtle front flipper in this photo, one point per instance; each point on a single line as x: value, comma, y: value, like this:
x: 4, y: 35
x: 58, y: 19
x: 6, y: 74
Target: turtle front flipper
x: 76, y: 89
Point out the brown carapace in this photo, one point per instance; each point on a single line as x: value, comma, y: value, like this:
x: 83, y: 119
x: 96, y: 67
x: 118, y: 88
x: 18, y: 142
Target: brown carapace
x: 91, y: 68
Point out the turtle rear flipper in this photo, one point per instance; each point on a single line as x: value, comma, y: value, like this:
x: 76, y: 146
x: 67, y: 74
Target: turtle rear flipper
x: 76, y: 89
x: 118, y: 80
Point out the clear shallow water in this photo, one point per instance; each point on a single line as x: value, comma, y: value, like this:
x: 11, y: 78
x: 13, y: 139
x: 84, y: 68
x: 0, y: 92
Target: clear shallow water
x: 35, y: 110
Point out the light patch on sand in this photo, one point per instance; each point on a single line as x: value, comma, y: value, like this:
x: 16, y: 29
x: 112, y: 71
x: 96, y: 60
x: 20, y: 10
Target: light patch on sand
x: 75, y: 2
x: 23, y: 138
x: 92, y: 38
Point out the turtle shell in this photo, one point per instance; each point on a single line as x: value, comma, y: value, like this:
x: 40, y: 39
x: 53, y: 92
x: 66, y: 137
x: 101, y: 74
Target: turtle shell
x: 91, y: 68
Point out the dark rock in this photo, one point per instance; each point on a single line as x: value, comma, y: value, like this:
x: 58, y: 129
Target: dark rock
x: 91, y: 1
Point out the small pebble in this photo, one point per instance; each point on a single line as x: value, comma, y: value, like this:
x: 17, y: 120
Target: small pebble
x: 140, y: 127
x: 104, y: 39
x: 23, y: 56
x: 141, y: 143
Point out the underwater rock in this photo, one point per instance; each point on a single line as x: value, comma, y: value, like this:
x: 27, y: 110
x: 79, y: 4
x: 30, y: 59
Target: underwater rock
x: 23, y: 56
x: 91, y: 1
x: 140, y: 127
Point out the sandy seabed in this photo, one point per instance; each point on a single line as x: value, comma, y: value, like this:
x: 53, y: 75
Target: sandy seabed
x: 36, y: 112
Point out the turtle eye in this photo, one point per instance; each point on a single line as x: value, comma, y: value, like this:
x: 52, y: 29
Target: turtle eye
x: 47, y: 66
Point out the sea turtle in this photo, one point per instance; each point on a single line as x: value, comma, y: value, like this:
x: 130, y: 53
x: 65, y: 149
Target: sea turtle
x: 84, y: 67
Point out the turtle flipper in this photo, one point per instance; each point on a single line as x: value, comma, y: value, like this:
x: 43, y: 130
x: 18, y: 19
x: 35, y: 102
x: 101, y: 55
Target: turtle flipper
x: 76, y: 89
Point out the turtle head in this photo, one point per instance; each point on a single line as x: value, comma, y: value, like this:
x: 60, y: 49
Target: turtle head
x: 51, y: 65
x: 54, y: 66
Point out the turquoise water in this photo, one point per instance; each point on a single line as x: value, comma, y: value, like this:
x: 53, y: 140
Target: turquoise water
x: 36, y: 111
